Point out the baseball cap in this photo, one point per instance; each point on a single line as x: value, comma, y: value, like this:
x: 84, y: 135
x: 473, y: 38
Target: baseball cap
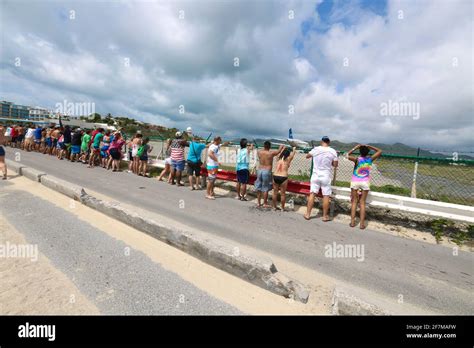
x: 178, y: 134
x: 325, y: 139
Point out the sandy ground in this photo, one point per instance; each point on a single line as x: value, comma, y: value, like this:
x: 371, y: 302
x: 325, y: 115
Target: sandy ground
x: 246, y: 297
x: 36, y: 287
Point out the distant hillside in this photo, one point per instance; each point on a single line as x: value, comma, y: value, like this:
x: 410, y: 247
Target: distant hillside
x: 396, y: 149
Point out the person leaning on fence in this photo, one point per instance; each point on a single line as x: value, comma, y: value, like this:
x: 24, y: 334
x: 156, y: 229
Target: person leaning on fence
x: 213, y: 166
x: 3, y: 165
x: 142, y: 155
x: 324, y: 159
x: 194, y: 162
x: 361, y: 179
x: 167, y: 169
x: 177, y: 158
x: 263, y: 184
x: 280, y: 177
x: 242, y: 168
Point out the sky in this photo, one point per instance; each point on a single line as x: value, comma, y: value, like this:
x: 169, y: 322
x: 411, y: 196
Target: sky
x: 365, y: 71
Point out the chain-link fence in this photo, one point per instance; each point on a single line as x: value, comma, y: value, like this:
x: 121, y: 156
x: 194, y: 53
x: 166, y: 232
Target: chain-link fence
x: 438, y: 179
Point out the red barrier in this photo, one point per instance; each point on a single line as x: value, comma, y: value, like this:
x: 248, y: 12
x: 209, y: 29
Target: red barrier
x: 294, y: 186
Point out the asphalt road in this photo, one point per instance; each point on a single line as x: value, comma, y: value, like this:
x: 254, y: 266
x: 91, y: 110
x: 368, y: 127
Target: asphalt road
x: 117, y: 280
x: 429, y: 276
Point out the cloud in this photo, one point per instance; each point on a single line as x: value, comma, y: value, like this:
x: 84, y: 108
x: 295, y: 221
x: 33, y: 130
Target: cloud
x: 145, y: 59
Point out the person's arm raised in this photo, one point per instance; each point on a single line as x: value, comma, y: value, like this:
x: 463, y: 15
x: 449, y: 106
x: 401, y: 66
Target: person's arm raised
x: 377, y: 154
x: 278, y: 152
x: 352, y: 158
x: 292, y: 155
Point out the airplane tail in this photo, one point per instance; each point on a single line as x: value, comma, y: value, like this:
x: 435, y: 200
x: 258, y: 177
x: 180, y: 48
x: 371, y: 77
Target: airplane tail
x: 290, y: 134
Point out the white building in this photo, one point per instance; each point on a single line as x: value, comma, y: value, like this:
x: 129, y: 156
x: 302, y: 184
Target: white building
x: 38, y: 113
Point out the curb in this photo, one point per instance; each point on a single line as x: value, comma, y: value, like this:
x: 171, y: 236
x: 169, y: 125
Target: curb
x: 346, y: 304
x: 257, y: 270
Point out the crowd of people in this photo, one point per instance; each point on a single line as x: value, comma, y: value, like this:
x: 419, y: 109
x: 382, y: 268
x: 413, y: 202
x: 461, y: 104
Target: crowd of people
x: 104, y: 148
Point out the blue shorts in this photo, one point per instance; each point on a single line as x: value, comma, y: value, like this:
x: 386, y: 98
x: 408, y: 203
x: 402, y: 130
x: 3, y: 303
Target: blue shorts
x: 264, y: 180
x: 2, y: 151
x: 48, y: 142
x: 178, y: 165
x: 75, y: 149
x: 243, y: 176
x: 212, y: 172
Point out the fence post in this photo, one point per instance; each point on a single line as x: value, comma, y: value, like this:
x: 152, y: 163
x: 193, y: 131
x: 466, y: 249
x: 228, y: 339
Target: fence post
x: 415, y: 171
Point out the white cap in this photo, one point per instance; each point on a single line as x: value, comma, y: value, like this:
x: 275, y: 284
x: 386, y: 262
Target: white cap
x: 189, y: 130
x: 178, y: 134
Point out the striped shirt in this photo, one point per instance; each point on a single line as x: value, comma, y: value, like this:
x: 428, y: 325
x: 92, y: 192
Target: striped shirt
x: 177, y: 150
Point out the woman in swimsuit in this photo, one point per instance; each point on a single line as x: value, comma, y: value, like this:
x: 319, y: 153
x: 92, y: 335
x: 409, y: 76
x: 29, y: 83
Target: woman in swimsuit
x: 280, y: 177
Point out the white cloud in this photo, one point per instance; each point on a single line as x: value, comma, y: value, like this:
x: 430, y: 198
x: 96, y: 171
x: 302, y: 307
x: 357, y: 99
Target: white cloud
x: 189, y: 62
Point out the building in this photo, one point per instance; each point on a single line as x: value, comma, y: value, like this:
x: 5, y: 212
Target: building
x: 14, y: 111
x: 38, y: 113
x: 11, y: 113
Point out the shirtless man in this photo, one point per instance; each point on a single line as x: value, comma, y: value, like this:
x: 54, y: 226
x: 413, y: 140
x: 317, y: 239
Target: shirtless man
x: 280, y: 177
x: 263, y: 184
x: 54, y: 140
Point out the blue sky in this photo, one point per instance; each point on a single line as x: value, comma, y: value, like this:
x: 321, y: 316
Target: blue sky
x: 335, y: 64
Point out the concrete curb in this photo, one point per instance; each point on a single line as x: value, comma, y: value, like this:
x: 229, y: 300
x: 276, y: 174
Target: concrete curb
x: 16, y: 166
x: 252, y: 268
x: 346, y: 304
x: 255, y: 269
x: 61, y: 186
x: 32, y: 174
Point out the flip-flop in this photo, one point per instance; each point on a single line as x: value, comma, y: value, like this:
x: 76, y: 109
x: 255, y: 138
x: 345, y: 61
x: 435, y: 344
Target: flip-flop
x: 362, y: 227
x: 352, y: 225
x: 306, y: 218
x: 326, y: 220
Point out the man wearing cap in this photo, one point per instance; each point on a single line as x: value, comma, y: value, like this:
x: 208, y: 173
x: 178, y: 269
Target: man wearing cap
x: 177, y: 158
x: 324, y: 159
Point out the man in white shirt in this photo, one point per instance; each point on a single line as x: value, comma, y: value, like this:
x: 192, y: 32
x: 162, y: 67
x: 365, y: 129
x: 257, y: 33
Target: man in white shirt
x: 213, y: 165
x: 324, y: 159
x: 29, y: 142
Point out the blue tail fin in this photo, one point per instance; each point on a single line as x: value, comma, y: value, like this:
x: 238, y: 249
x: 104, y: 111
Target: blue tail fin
x: 290, y: 134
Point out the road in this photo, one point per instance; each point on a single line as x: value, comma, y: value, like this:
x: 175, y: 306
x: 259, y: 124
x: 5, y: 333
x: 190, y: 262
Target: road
x: 430, y: 276
x: 118, y: 278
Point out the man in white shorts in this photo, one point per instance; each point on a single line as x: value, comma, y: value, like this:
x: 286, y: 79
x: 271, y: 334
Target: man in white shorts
x: 324, y: 159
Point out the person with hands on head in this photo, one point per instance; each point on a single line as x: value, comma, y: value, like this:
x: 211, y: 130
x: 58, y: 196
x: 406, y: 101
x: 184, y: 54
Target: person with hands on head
x: 360, y: 180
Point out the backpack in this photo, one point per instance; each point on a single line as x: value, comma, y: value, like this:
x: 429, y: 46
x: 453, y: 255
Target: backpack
x: 140, y: 151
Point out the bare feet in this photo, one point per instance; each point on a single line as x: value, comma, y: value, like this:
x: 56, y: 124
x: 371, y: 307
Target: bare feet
x: 306, y: 217
x: 210, y: 197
